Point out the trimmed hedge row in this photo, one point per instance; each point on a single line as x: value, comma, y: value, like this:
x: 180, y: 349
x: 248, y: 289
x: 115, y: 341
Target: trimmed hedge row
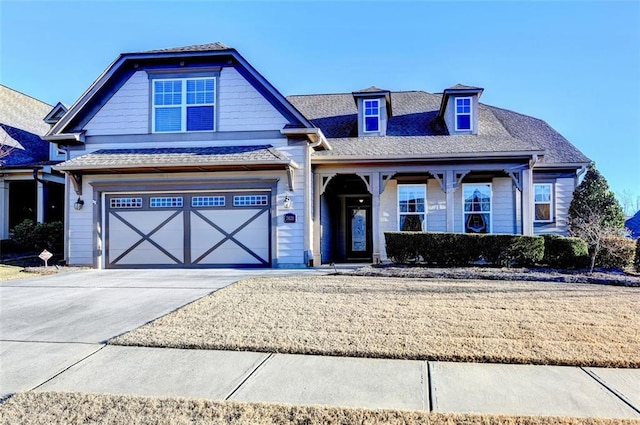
x: 459, y: 249
x: 564, y: 253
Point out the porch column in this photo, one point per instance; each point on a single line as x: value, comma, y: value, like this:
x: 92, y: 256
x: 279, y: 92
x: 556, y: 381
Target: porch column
x: 449, y: 190
x: 375, y: 214
x: 4, y: 209
x: 39, y: 202
x: 527, y: 202
x: 317, y: 233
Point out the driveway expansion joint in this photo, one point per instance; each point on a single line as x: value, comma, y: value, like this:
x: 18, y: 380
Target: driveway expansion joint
x: 249, y: 375
x: 611, y: 389
x: 67, y: 368
x: 429, y: 386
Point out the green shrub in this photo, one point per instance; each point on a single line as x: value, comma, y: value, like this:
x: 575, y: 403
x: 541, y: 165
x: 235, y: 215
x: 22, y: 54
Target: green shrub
x: 562, y: 252
x: 512, y: 250
x: 401, y: 246
x: 617, y: 253
x: 636, y: 261
x: 31, y: 236
x: 448, y: 249
x: 459, y: 249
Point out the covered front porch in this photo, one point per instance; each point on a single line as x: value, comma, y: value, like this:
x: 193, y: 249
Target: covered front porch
x: 354, y: 206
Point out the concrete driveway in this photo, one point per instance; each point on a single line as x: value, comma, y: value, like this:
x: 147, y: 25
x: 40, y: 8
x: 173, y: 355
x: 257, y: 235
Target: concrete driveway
x: 49, y: 323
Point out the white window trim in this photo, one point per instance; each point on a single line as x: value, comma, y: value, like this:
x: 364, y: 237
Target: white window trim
x: 464, y: 213
x: 551, y: 203
x: 470, y: 114
x: 398, y: 213
x: 365, y: 116
x: 183, y: 104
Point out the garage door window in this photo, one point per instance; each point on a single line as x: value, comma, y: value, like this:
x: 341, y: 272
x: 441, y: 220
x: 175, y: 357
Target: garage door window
x: 126, y: 203
x: 208, y: 201
x: 166, y: 202
x: 250, y: 200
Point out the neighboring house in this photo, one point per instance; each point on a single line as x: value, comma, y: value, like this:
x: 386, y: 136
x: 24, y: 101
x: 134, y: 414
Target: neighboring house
x: 29, y: 188
x: 188, y: 157
x: 633, y: 224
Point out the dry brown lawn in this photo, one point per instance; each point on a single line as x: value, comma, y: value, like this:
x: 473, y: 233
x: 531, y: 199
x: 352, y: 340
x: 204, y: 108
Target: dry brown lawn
x: 448, y: 320
x: 76, y: 408
x: 11, y: 273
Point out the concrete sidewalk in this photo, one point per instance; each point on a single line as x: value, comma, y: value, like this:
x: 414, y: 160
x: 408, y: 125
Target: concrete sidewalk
x: 355, y: 382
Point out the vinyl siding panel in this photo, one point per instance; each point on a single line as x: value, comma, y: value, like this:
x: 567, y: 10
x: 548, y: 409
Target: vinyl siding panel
x: 242, y: 107
x: 127, y: 112
x: 81, y: 227
x: 502, y: 204
x: 290, y: 236
x: 436, y: 207
x: 388, y: 214
x: 562, y: 195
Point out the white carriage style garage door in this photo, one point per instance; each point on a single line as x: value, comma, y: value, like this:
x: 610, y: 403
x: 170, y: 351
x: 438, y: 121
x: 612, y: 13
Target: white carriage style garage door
x: 213, y: 229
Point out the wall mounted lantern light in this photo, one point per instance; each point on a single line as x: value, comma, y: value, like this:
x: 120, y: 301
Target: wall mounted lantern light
x: 78, y: 204
x: 287, y: 203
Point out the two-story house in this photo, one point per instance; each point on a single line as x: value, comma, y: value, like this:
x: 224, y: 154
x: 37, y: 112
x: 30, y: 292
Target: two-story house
x: 189, y: 157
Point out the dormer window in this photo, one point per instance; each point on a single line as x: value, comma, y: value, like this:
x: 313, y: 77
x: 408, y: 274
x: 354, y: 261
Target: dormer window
x: 463, y: 113
x: 183, y: 104
x: 371, y: 116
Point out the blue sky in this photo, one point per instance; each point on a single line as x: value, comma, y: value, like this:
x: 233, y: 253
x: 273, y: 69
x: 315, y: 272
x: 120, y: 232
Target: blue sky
x: 575, y: 64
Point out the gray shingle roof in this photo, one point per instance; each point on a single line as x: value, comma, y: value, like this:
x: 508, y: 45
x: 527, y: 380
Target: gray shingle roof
x: 537, y: 132
x: 21, y: 126
x: 175, y: 157
x: 463, y: 87
x: 415, y: 129
x: 217, y: 46
x: 372, y: 89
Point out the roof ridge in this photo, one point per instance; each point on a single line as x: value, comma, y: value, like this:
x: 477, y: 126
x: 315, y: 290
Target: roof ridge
x: 351, y: 93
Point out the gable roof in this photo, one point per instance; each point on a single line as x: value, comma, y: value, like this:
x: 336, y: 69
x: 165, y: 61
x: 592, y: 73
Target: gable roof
x: 21, y: 126
x: 416, y: 130
x: 127, y: 63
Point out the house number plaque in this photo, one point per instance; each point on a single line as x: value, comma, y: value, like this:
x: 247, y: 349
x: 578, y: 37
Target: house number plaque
x: 289, y: 218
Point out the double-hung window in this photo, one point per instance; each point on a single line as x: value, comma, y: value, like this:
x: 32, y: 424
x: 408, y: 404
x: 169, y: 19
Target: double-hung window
x: 477, y: 207
x: 371, y: 115
x: 184, y: 104
x: 542, y: 201
x: 412, y: 213
x: 463, y: 113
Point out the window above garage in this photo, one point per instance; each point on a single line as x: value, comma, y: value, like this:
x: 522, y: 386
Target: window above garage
x: 183, y: 104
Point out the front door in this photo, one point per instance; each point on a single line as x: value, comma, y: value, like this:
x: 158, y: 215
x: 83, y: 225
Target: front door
x: 358, y: 233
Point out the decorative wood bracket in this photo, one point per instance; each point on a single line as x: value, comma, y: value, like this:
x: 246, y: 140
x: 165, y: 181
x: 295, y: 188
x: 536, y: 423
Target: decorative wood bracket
x: 325, y: 181
x: 516, y: 178
x: 76, y: 180
x: 457, y: 177
x: 291, y: 177
x: 366, y: 178
x: 384, y: 179
x: 439, y: 176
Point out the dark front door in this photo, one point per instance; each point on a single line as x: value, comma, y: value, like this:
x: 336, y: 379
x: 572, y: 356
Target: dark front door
x: 358, y: 233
